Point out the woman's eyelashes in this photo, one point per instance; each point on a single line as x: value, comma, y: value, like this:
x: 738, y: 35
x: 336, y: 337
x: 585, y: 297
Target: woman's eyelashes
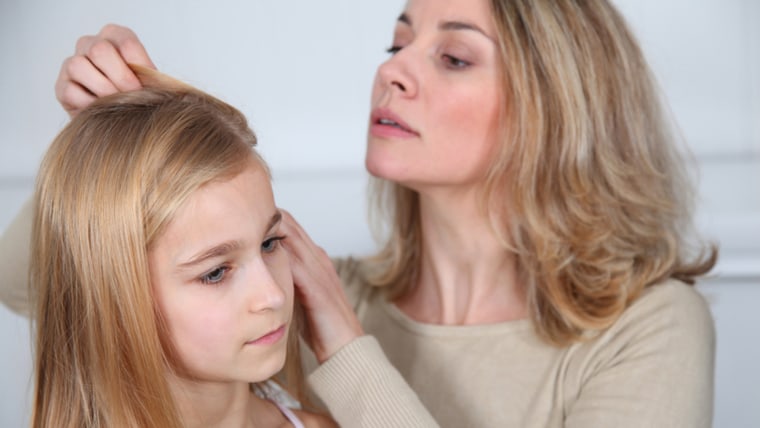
x: 393, y: 50
x: 453, y: 62
x: 448, y: 60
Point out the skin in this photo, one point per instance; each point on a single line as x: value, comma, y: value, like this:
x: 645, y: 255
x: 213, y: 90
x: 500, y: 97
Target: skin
x: 466, y: 276
x: 440, y: 81
x: 222, y: 281
x: 99, y: 68
x: 443, y: 81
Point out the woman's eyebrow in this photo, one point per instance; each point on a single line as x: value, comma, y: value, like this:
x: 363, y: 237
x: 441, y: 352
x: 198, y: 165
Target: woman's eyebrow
x: 459, y: 25
x: 450, y: 26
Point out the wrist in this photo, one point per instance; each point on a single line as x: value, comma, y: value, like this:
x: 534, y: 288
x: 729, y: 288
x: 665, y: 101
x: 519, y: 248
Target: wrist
x: 337, y: 343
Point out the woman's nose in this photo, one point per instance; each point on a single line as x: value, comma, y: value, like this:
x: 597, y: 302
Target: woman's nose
x: 398, y: 74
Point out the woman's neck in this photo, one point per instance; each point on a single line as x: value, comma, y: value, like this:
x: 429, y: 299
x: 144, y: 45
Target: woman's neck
x: 466, y: 274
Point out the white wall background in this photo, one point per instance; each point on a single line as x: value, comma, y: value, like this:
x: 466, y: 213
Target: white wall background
x: 301, y: 70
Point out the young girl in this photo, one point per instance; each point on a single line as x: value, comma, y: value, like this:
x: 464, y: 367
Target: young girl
x: 163, y: 293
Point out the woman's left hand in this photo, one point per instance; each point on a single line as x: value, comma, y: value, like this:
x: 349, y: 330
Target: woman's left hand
x: 331, y: 321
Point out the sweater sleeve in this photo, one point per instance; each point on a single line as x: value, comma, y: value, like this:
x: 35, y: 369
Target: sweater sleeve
x: 653, y: 368
x: 14, y: 261
x: 362, y: 389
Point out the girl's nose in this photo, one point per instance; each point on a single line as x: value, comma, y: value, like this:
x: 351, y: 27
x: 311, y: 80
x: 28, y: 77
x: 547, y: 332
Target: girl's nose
x: 266, y: 293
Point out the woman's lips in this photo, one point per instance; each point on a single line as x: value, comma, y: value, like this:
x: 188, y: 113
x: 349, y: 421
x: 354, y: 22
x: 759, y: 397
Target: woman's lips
x: 269, y: 338
x: 385, y: 123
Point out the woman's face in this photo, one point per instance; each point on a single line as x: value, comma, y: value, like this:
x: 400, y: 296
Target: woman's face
x: 435, y: 101
x: 223, y: 282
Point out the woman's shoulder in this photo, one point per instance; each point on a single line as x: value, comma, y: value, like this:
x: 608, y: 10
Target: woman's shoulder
x: 353, y: 273
x: 672, y: 301
x: 665, y: 337
x: 669, y: 317
x: 344, y: 265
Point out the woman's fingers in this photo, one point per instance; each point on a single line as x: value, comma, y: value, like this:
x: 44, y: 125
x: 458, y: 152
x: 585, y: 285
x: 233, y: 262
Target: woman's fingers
x: 331, y: 321
x: 81, y: 71
x: 313, y: 271
x: 129, y: 46
x: 72, y: 96
x: 100, y: 67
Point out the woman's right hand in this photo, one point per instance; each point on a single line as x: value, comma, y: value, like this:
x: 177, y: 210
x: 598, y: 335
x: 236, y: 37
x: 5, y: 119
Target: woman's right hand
x: 330, y: 320
x: 99, y: 68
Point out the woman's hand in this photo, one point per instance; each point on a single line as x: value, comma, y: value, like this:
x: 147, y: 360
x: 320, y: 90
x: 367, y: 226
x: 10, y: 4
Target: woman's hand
x: 99, y: 68
x: 331, y: 321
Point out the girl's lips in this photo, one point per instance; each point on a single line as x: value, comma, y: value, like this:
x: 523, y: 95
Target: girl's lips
x: 269, y: 338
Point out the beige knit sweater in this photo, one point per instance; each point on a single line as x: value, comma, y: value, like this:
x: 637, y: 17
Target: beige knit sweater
x: 652, y: 368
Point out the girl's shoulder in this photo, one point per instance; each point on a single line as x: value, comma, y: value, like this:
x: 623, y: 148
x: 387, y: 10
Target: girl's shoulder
x: 291, y: 410
x: 315, y: 420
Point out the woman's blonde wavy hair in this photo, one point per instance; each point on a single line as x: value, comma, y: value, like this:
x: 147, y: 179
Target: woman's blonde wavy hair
x: 589, y: 189
x: 108, y: 186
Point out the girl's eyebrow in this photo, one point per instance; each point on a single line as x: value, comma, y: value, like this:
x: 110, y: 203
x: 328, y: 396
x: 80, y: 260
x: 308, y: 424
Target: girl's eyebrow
x: 276, y: 218
x: 225, y: 247
x: 216, y: 251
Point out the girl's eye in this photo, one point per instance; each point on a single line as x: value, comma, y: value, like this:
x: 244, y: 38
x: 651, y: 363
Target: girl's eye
x: 215, y: 276
x: 393, y: 50
x: 454, y: 62
x: 271, y: 244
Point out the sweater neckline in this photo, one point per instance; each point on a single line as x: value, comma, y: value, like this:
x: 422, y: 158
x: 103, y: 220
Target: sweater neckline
x: 439, y: 330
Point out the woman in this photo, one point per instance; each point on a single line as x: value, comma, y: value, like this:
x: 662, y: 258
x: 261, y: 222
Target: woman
x: 162, y: 291
x: 537, y: 212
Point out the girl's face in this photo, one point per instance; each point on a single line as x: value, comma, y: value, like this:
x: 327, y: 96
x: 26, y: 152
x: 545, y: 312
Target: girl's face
x: 435, y: 101
x: 223, y: 282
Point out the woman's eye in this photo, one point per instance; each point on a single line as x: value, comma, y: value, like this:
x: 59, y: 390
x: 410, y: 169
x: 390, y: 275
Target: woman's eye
x: 215, y: 276
x: 393, y: 50
x: 271, y: 244
x: 454, y: 62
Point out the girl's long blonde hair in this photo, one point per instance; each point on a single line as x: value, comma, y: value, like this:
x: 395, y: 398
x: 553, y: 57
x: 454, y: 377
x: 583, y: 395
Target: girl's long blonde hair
x: 588, y: 189
x: 108, y: 186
